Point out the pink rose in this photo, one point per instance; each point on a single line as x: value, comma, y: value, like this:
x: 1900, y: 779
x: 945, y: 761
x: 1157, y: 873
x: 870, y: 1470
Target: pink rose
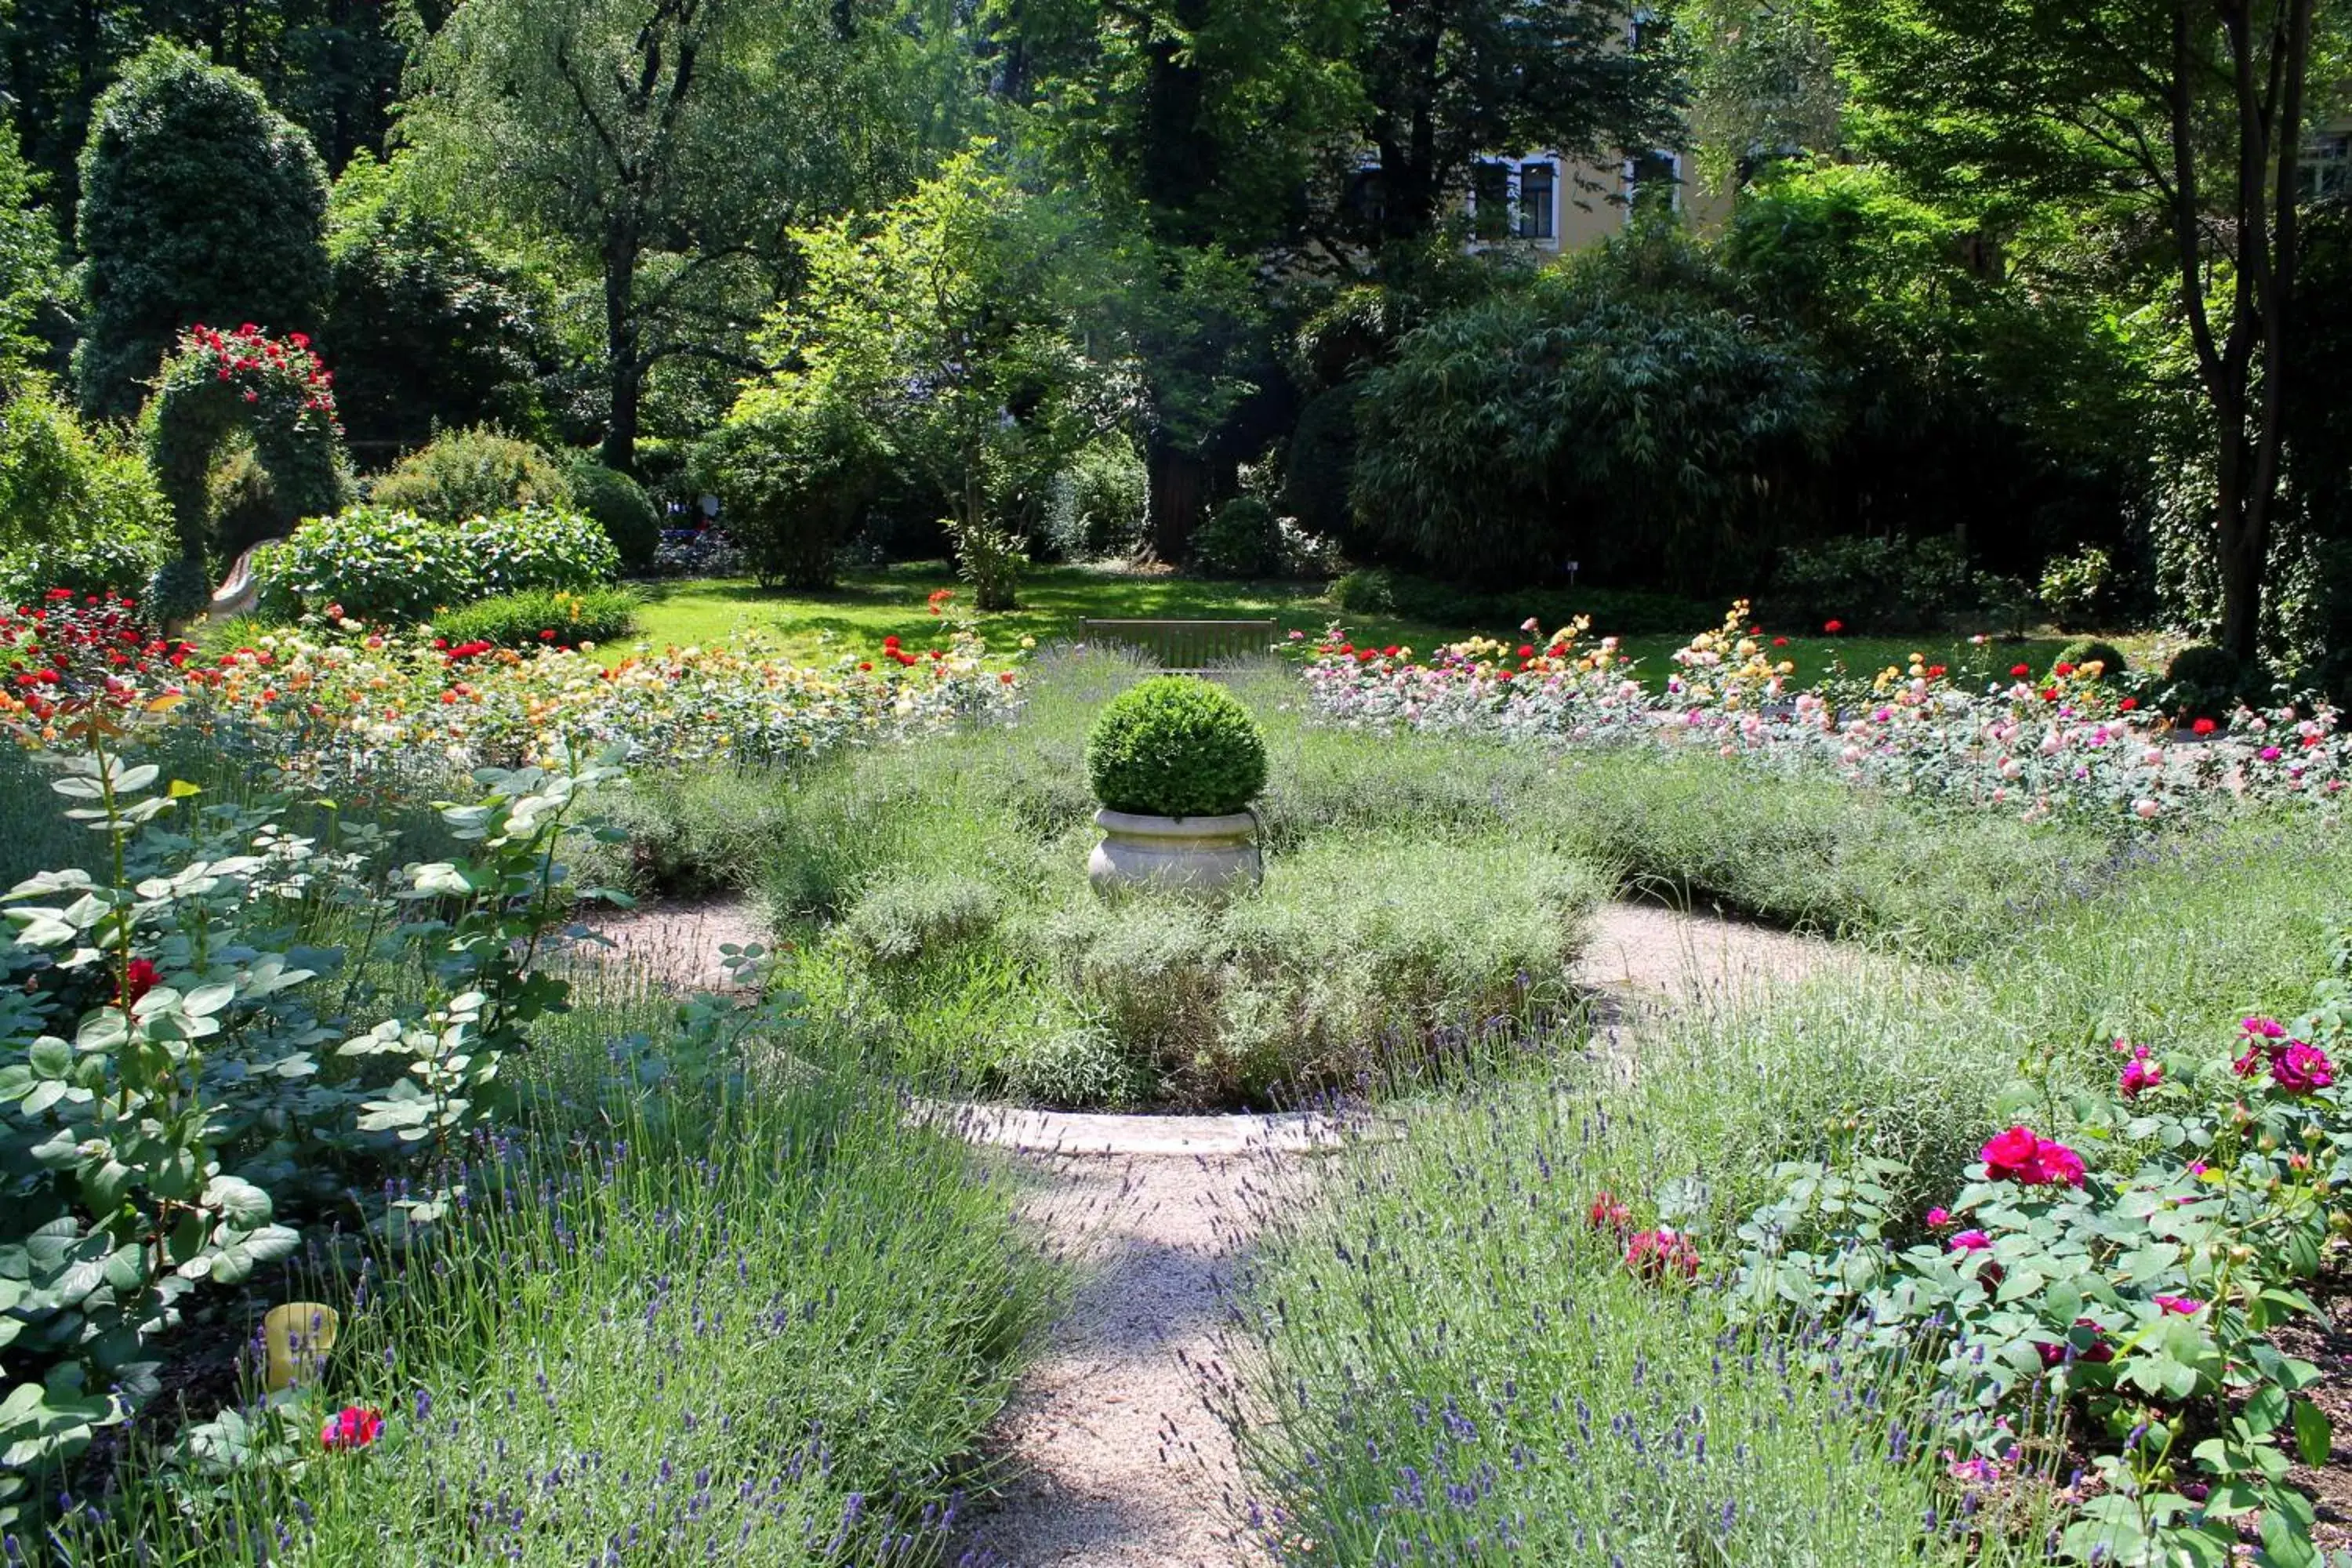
x: 2299, y: 1069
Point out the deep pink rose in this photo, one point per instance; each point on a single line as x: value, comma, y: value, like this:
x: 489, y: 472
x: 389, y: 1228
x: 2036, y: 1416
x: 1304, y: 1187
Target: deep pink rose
x: 2299, y: 1069
x: 2009, y: 1156
x: 1971, y: 1241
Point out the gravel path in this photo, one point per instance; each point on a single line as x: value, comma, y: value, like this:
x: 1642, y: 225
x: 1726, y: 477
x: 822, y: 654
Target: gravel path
x: 1114, y: 1458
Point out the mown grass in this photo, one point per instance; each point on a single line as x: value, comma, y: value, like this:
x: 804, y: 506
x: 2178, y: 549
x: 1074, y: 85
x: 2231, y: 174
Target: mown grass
x: 854, y: 619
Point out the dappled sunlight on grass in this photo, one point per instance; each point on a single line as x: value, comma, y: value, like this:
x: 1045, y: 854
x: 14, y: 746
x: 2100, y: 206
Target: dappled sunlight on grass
x: 855, y: 618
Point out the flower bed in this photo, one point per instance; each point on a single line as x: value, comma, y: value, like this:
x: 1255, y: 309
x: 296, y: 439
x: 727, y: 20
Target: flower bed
x: 335, y: 698
x: 2068, y: 741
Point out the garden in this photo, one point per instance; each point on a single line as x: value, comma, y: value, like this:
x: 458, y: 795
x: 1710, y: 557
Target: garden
x: 892, y: 783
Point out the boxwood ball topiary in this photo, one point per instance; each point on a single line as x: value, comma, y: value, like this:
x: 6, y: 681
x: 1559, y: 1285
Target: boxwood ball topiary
x: 1176, y: 746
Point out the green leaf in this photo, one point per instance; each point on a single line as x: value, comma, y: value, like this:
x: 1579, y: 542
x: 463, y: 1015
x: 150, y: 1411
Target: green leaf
x: 2313, y: 1434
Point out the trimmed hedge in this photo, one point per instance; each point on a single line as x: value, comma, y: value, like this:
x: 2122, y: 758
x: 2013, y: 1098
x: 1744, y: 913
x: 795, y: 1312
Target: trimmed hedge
x: 544, y: 618
x: 385, y: 565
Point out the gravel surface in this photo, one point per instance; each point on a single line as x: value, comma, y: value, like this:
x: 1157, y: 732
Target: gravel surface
x: 1113, y: 1457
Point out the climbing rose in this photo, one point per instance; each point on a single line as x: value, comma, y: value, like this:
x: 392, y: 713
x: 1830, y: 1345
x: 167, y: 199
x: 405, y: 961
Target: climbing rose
x: 353, y: 1426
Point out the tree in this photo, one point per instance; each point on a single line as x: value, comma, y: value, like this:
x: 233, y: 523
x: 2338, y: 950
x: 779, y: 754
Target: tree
x: 331, y: 66
x: 430, y: 331
x: 1199, y: 127
x: 671, y: 144
x: 199, y: 202
x: 2184, y: 116
x: 31, y: 276
x: 1446, y: 83
x: 943, y: 322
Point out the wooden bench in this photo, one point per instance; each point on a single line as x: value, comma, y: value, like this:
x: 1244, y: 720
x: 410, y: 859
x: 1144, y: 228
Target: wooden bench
x: 1187, y: 647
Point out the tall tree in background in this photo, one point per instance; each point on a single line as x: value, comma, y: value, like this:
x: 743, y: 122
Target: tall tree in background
x: 31, y: 276
x: 2187, y: 116
x: 200, y: 202
x: 1199, y: 127
x: 672, y: 145
x: 1446, y: 83
x: 330, y: 66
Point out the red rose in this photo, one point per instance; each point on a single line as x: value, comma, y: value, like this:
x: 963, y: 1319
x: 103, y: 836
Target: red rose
x: 2021, y: 670
x: 139, y: 977
x: 1833, y: 627
x: 2203, y: 727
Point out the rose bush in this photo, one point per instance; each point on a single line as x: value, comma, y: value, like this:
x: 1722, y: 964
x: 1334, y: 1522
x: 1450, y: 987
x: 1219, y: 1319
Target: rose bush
x: 2112, y: 1298
x: 331, y: 701
x: 2073, y: 742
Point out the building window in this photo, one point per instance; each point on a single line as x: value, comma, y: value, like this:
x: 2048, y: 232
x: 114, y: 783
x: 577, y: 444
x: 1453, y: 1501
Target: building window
x: 1490, y: 200
x: 1537, y: 186
x: 2327, y: 167
x: 1653, y: 182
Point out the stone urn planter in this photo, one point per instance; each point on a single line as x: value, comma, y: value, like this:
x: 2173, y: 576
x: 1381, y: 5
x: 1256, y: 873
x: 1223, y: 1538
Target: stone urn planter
x: 1202, y: 855
x: 1175, y: 762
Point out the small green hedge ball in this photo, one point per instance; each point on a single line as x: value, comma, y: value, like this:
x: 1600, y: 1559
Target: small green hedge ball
x: 1176, y: 746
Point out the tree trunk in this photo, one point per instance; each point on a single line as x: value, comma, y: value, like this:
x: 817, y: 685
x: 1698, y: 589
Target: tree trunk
x: 624, y: 372
x: 1179, y: 492
x: 2242, y: 550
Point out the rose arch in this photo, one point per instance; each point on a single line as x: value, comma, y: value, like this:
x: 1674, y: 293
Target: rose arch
x: 214, y: 385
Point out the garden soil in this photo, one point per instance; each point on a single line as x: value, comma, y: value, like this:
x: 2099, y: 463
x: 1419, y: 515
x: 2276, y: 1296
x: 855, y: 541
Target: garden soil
x: 1112, y: 1453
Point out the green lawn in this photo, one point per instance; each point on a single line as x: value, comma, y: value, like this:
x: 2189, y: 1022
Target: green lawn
x: 855, y: 618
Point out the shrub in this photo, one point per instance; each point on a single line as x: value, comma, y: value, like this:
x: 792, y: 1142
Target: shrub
x: 378, y: 562
x: 179, y: 591
x: 916, y: 914
x: 1176, y: 746
x: 1872, y: 584
x: 103, y: 563
x: 542, y: 618
x: 65, y: 483
x: 793, y: 472
x: 2201, y: 681
x: 1377, y: 591
x: 2089, y: 650
x: 536, y: 547
x: 1585, y: 414
x: 2075, y: 588
x: 1241, y: 538
x: 198, y: 203
x: 1095, y: 510
x: 1367, y: 591
x: 427, y: 326
x: 472, y: 473
x: 620, y: 506
x: 242, y: 500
